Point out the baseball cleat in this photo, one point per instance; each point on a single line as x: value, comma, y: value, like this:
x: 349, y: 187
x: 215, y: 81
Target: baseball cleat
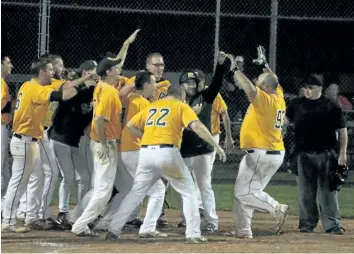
x: 241, y: 236
x: 210, y: 228
x: 182, y: 224
x: 282, y: 211
x: 162, y: 221
x: 14, y: 229
x: 62, y: 222
x: 111, y: 237
x: 88, y: 233
x: 39, y: 225
x: 196, y: 240
x: 136, y: 223
x: 153, y: 234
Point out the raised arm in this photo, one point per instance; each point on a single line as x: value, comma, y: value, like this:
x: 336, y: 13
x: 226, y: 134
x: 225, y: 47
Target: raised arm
x: 124, y: 50
x: 212, y: 91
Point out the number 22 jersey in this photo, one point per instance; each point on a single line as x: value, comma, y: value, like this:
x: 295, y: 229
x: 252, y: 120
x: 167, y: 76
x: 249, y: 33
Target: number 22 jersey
x: 262, y: 125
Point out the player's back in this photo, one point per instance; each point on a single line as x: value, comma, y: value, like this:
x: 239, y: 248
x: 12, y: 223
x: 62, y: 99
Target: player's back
x: 136, y: 103
x: 164, y: 122
x: 263, y: 122
x: 31, y: 107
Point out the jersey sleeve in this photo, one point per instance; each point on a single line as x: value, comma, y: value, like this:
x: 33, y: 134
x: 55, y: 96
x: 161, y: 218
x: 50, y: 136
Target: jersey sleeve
x: 339, y: 121
x: 219, y: 104
x: 139, y: 120
x: 262, y: 100
x: 41, y: 94
x: 280, y: 91
x: 105, y: 106
x: 188, y: 115
x: 4, y: 94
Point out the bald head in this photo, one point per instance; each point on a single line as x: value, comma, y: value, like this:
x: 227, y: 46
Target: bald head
x: 267, y: 82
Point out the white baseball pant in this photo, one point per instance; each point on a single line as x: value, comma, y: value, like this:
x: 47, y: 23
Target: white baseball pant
x: 5, y: 167
x: 156, y: 162
x: 85, y: 151
x: 255, y: 171
x: 202, y: 167
x: 73, y: 169
x: 43, y: 181
x: 104, y: 172
x: 25, y: 153
x: 124, y: 181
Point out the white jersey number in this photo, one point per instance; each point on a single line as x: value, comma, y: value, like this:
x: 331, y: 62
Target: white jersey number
x: 279, y: 121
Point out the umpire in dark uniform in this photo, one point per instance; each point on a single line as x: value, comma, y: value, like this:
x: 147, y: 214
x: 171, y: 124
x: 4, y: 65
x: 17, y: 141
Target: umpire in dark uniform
x: 317, y: 120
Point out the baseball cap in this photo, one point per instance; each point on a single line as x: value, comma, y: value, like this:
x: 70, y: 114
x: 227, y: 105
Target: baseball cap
x: 106, y: 64
x: 187, y: 75
x: 200, y: 74
x: 313, y: 80
x: 87, y: 65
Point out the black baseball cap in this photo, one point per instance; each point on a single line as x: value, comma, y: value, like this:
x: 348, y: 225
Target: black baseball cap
x: 87, y: 65
x: 200, y: 73
x: 187, y: 75
x: 313, y: 80
x: 106, y: 64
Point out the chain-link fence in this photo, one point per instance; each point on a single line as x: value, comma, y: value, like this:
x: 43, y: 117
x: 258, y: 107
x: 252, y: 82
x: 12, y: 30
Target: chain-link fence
x: 301, y: 37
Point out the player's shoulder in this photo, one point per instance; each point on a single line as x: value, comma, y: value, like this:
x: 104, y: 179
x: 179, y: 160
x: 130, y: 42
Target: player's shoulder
x: 163, y: 83
x: 130, y: 81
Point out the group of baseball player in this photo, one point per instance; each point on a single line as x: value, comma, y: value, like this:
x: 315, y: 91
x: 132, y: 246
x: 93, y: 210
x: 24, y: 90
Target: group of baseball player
x: 118, y: 140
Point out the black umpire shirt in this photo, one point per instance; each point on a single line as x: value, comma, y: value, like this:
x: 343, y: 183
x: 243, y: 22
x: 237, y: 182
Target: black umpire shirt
x: 316, y: 122
x: 192, y: 144
x: 72, y: 117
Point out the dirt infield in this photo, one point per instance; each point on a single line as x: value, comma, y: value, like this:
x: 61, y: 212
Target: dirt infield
x: 264, y: 240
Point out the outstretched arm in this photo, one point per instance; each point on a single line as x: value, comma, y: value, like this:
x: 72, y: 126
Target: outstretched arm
x: 212, y: 91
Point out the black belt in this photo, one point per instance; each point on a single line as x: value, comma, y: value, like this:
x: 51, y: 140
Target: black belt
x: 20, y: 137
x: 161, y: 146
x: 267, y: 152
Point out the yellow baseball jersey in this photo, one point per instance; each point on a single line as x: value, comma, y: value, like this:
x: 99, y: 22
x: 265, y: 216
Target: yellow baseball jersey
x: 106, y: 105
x: 262, y: 125
x: 161, y: 88
x: 130, y: 142
x: 219, y: 106
x: 163, y: 122
x: 5, y: 99
x: 31, y: 108
x: 56, y: 84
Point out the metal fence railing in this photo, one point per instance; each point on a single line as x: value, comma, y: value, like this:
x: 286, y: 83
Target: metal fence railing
x: 301, y: 37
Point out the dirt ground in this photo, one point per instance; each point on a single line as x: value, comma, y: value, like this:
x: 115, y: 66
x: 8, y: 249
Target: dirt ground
x: 264, y: 240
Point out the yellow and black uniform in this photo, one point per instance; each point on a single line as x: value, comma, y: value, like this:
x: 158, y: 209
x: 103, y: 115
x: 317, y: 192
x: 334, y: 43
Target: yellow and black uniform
x: 161, y: 88
x: 262, y: 125
x: 163, y: 122
x: 5, y: 103
x: 219, y: 106
x: 31, y: 108
x: 106, y: 105
x: 130, y: 142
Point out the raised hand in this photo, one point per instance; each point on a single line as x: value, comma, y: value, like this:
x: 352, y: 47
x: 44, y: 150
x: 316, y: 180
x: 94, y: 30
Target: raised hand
x: 132, y: 37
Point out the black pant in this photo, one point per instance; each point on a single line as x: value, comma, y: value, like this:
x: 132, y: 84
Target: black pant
x: 312, y: 181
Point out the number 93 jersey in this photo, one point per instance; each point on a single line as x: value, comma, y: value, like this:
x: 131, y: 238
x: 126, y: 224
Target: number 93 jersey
x: 263, y: 122
x: 163, y: 122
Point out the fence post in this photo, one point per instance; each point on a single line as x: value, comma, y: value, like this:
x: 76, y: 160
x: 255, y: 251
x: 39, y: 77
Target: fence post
x: 43, y: 35
x: 273, y: 35
x: 217, y: 32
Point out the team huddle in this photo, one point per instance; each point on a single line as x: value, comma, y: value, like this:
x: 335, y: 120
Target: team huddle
x: 119, y: 140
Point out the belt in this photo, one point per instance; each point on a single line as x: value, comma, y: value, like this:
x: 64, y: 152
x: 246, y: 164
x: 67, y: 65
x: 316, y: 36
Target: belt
x: 270, y: 152
x: 21, y: 137
x: 316, y: 152
x: 161, y: 146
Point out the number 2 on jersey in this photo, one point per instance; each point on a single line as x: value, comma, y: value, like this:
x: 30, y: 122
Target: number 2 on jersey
x: 160, y: 122
x: 279, y: 121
